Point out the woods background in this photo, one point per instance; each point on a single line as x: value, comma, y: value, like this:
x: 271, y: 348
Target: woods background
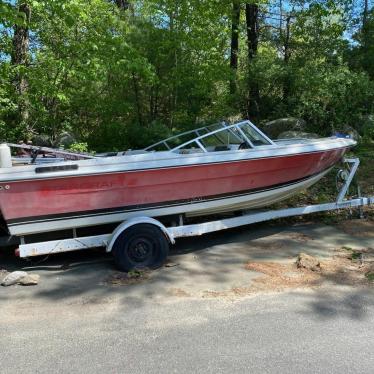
x: 123, y: 74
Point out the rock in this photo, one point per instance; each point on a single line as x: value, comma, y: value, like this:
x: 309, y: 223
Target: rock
x: 298, y: 134
x: 30, y: 280
x: 274, y: 128
x: 20, y: 277
x: 3, y: 274
x: 65, y: 140
x: 42, y: 140
x: 170, y: 264
x: 367, y: 126
x: 308, y: 262
x: 348, y: 130
x: 13, y: 278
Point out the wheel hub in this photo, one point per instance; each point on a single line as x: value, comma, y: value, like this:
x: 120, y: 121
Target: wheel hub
x: 141, y: 250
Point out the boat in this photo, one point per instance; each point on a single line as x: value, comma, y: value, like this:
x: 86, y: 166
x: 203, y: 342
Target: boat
x: 214, y: 169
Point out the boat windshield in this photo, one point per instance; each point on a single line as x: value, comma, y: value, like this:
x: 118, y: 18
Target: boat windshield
x: 215, y: 138
x: 179, y: 139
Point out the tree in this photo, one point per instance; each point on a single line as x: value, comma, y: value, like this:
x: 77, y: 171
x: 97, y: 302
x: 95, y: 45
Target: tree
x: 122, y: 4
x: 361, y: 54
x: 252, y: 26
x: 20, y: 58
x: 367, y: 39
x: 117, y: 80
x: 365, y: 14
x: 234, y: 51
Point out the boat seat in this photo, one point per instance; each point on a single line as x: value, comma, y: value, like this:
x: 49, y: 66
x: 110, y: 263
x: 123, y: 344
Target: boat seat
x: 107, y: 154
x: 135, y: 152
x: 221, y: 148
x: 190, y: 151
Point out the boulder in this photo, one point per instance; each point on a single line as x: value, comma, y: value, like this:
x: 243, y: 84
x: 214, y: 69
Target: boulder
x: 274, y: 128
x: 30, y: 280
x: 348, y: 130
x: 20, y: 277
x: 298, y: 134
x: 65, y: 140
x: 308, y: 262
x: 42, y: 140
x: 13, y: 278
x: 3, y: 274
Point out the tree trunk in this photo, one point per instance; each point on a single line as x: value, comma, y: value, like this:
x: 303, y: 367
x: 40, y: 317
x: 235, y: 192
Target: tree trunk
x: 365, y: 14
x: 235, y: 20
x: 287, y: 50
x: 364, y: 30
x: 122, y: 4
x: 175, y: 55
x: 252, y: 21
x: 280, y: 18
x: 287, y: 56
x: 153, y: 103
x: 19, y: 59
x: 137, y: 98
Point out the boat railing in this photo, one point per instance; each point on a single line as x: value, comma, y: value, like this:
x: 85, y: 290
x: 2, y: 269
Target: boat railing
x: 33, y: 152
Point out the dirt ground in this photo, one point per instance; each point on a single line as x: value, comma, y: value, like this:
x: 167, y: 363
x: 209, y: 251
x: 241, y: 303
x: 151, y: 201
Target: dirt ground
x: 345, y: 266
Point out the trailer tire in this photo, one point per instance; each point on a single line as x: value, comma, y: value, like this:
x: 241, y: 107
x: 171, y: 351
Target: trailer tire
x: 140, y: 246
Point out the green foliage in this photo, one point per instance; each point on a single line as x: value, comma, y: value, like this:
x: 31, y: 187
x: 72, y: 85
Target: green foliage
x: 368, y: 127
x: 119, y: 79
x: 120, y: 138
x: 361, y: 56
x: 79, y: 147
x: 332, y: 96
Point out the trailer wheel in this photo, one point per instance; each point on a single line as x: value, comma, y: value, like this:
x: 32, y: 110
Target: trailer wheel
x: 140, y: 246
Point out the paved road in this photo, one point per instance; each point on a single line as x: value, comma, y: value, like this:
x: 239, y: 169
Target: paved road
x: 310, y: 332
x: 75, y: 322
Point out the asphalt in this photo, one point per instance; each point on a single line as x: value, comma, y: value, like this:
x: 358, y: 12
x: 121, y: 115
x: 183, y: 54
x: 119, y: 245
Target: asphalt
x: 75, y: 321
x: 302, y: 332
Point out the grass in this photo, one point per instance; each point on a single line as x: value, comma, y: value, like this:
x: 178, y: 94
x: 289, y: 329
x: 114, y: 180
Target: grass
x: 365, y: 152
x: 347, y: 248
x: 356, y: 255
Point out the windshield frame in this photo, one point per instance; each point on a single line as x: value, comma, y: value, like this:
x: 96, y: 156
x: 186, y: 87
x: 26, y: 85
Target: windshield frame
x: 235, y: 130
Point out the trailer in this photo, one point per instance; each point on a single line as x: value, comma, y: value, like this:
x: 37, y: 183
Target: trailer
x: 144, y: 241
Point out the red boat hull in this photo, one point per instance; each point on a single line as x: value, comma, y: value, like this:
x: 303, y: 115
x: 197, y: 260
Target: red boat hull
x: 38, y: 199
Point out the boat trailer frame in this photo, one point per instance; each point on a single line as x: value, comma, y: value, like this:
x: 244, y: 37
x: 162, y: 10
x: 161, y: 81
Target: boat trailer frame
x: 181, y: 230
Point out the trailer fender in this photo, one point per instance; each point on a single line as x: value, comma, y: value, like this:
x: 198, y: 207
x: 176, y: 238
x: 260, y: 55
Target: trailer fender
x: 135, y: 221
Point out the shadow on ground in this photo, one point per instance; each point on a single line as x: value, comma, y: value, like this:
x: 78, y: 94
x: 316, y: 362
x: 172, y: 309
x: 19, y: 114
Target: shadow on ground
x: 211, y: 266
